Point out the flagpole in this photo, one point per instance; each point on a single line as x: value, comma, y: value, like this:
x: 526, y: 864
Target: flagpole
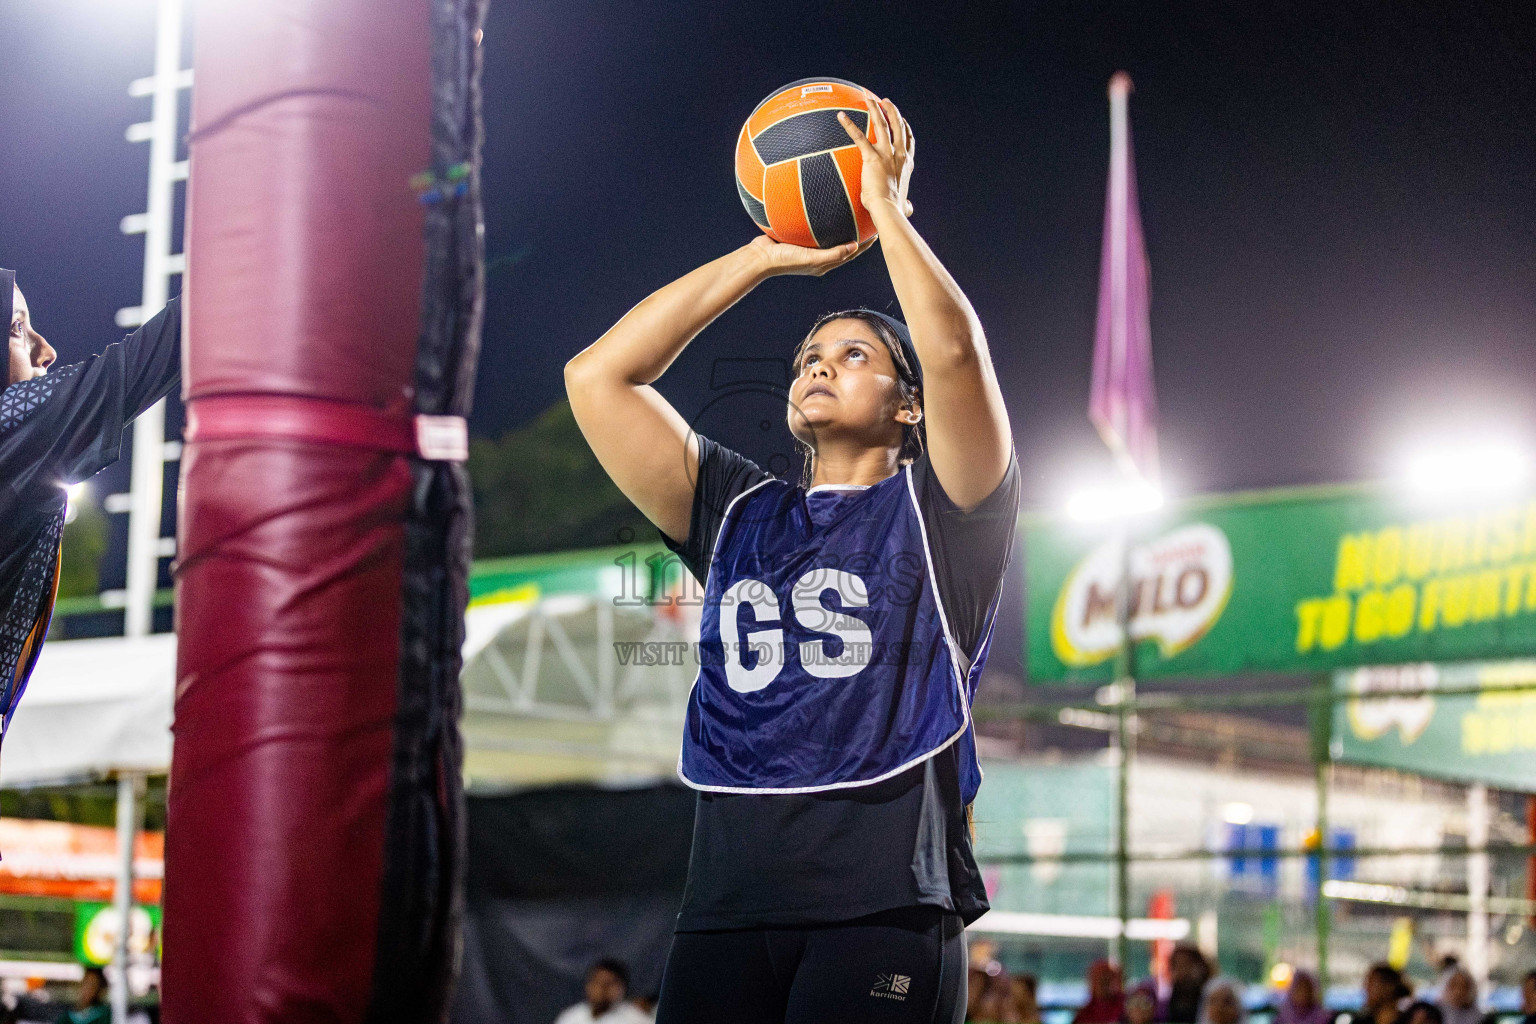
x: 1123, y: 407
x: 1125, y: 681
x: 1125, y: 750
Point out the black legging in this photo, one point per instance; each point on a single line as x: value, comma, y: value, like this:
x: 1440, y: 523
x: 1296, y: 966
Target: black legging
x: 904, y: 966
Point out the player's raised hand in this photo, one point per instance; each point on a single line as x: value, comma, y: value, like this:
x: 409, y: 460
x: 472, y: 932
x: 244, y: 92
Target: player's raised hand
x: 888, y: 153
x: 782, y: 258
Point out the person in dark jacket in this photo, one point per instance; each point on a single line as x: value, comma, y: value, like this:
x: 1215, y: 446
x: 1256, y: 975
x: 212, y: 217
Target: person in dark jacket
x: 1106, y: 995
x: 59, y: 426
x: 1189, y: 971
x: 1387, y: 994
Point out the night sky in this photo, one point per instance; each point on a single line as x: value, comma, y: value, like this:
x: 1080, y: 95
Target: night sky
x: 1338, y: 201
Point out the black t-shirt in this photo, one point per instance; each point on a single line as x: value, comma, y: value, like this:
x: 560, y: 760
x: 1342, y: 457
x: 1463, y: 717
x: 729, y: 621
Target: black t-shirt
x: 775, y: 859
x: 57, y: 429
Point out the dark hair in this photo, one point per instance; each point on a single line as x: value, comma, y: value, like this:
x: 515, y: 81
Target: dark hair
x: 1430, y: 1010
x: 908, y: 383
x: 613, y: 967
x: 1392, y: 976
x: 1194, y: 954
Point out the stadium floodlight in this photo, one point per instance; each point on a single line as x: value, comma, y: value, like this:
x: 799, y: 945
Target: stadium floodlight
x: 73, y: 494
x: 1119, y: 500
x: 1469, y: 468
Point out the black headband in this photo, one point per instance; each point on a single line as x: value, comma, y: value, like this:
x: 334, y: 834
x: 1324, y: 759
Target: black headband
x: 903, y: 336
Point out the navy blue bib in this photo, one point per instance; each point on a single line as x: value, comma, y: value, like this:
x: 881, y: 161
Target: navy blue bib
x: 826, y: 660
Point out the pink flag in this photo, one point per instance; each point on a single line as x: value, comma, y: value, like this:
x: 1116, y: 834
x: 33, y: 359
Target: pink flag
x: 1123, y: 405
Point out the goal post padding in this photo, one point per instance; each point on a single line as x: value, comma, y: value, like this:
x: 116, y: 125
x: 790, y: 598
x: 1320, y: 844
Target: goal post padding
x: 333, y: 296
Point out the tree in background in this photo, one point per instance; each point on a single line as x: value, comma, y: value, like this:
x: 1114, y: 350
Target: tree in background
x: 85, y: 542
x: 540, y: 488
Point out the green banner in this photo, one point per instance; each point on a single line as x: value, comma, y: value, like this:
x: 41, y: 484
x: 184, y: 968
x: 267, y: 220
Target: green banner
x: 631, y: 574
x: 1395, y: 719
x: 1288, y: 581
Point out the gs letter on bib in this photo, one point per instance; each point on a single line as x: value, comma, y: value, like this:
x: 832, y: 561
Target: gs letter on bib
x: 826, y: 660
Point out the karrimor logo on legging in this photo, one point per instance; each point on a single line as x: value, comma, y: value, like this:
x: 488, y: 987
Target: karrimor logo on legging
x: 891, y: 986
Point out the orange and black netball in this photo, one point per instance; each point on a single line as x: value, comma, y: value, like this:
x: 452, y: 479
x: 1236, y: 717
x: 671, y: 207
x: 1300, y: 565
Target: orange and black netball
x: 797, y: 171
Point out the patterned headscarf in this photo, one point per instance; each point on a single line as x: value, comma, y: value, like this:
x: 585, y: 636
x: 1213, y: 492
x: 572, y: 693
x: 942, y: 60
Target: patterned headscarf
x: 7, y: 297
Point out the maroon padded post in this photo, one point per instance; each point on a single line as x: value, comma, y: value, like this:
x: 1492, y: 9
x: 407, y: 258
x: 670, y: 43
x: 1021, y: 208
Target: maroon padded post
x: 304, y: 284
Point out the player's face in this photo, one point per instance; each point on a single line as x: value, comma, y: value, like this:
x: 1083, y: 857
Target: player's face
x: 846, y: 382
x: 28, y: 353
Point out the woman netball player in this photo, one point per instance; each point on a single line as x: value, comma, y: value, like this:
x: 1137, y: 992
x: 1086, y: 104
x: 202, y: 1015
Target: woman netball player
x: 59, y: 425
x: 846, y: 618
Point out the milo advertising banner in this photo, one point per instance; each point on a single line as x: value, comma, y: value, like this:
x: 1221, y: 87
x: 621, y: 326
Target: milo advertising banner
x: 1425, y: 719
x: 1284, y: 581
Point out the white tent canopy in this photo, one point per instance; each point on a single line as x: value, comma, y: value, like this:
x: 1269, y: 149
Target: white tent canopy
x: 93, y: 708
x: 547, y: 699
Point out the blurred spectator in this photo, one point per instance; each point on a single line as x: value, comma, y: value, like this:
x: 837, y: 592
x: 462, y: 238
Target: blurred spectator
x: 1528, y: 997
x: 646, y: 1004
x: 975, y: 988
x: 1024, y: 990
x: 1141, y: 1004
x: 993, y: 1003
x: 1445, y: 967
x: 1188, y: 972
x: 1423, y: 1012
x: 34, y: 1005
x: 1302, y: 1003
x: 1106, y: 995
x: 1223, y: 1003
x: 607, y: 986
x: 1386, y: 995
x: 986, y: 989
x: 1458, y: 999
x: 91, y: 1001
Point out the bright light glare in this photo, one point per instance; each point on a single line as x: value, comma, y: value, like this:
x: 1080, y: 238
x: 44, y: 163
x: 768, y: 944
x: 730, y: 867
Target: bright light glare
x: 1237, y: 814
x: 1457, y: 470
x: 74, y: 493
x: 1281, y: 974
x: 1114, y: 501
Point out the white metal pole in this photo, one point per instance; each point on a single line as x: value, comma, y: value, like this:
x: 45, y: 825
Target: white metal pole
x: 148, y: 475
x: 130, y: 793
x: 1477, y: 885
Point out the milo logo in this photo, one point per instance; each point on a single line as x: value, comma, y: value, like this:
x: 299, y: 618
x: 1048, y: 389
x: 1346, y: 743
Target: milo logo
x: 1179, y: 585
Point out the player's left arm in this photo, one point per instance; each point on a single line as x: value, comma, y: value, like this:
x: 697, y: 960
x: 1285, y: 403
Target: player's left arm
x: 969, y: 438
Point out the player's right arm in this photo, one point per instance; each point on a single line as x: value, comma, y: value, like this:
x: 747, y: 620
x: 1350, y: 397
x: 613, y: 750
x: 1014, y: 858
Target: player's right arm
x: 75, y: 427
x: 642, y: 442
